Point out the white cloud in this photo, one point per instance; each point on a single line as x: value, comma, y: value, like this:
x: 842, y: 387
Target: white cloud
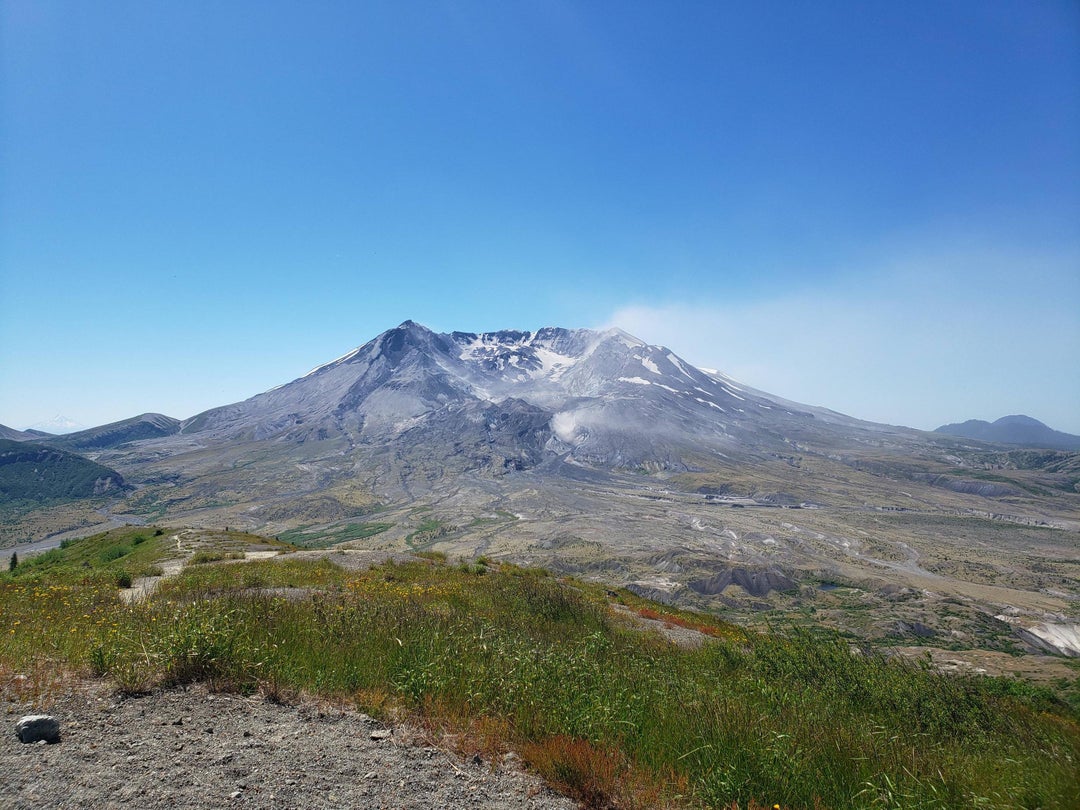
x: 919, y: 343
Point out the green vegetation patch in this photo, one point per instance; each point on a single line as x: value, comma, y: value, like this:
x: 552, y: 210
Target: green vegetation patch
x: 790, y: 717
x: 213, y: 555
x: 132, y: 548
x: 35, y: 474
x: 321, y: 538
x: 428, y: 533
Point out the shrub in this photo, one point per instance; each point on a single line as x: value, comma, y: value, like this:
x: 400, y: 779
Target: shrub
x: 434, y: 556
x: 201, y: 557
x: 113, y: 553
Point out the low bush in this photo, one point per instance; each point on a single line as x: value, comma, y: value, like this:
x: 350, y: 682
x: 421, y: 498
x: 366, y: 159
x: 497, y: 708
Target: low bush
x: 113, y: 553
x: 202, y: 557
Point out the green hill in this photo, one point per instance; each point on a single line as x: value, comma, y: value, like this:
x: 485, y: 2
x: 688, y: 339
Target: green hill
x: 34, y: 474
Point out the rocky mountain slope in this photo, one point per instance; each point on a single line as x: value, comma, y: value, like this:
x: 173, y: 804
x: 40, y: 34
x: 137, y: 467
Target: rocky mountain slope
x: 518, y: 399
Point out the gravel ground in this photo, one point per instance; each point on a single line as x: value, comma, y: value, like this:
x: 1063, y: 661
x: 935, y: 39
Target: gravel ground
x: 187, y: 748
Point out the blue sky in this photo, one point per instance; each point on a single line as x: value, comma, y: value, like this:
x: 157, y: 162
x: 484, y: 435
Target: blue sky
x: 872, y: 206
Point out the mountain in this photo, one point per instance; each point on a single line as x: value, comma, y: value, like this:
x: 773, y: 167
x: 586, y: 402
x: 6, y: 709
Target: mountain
x: 16, y: 435
x: 602, y: 398
x: 30, y: 472
x: 144, y: 426
x: 594, y: 453
x: 412, y: 410
x: 59, y: 424
x: 1020, y: 430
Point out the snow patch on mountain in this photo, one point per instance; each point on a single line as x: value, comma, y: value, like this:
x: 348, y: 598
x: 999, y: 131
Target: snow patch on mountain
x: 675, y: 362
x: 343, y: 359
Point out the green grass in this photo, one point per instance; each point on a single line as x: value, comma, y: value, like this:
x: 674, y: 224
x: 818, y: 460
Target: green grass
x: 131, y: 548
x: 214, y: 555
x: 523, y: 659
x: 321, y: 538
x: 428, y: 533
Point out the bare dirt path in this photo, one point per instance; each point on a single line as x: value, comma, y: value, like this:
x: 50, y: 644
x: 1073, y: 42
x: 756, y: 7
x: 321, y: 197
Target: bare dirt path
x: 187, y: 748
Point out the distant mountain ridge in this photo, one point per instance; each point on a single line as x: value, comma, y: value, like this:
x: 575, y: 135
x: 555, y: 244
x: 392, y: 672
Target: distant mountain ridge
x: 16, y: 435
x: 59, y: 424
x: 1017, y: 429
x: 114, y: 434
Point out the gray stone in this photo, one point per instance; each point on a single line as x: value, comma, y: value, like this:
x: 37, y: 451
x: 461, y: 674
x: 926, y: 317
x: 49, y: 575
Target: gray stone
x: 381, y: 734
x: 38, y: 727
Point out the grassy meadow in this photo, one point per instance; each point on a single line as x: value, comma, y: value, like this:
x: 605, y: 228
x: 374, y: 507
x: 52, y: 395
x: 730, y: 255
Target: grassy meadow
x: 505, y: 658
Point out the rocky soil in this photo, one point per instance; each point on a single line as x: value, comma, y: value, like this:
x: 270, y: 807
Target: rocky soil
x: 188, y: 748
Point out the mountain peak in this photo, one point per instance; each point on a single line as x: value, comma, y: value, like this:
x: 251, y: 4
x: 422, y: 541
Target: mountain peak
x: 624, y: 336
x: 602, y: 396
x: 1016, y: 429
x: 1021, y: 419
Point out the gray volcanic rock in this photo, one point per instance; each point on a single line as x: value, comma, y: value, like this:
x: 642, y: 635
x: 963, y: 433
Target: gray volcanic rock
x: 38, y: 727
x: 1020, y: 430
x: 755, y: 583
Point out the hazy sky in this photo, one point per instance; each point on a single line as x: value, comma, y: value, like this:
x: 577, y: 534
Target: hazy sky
x: 873, y: 206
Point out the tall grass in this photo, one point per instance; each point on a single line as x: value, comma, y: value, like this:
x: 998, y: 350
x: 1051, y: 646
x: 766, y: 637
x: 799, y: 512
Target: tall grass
x: 611, y: 714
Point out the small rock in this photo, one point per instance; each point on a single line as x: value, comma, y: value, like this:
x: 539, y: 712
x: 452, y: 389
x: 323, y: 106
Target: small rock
x: 179, y: 721
x: 236, y: 794
x: 370, y: 775
x: 35, y: 727
x: 381, y: 734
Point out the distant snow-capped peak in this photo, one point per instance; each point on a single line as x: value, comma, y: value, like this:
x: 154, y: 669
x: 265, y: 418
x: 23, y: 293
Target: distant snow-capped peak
x: 59, y: 424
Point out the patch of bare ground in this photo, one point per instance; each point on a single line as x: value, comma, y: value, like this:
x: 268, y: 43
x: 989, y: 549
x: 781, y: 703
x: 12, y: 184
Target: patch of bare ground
x: 680, y: 636
x: 1037, y: 668
x: 189, y: 748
